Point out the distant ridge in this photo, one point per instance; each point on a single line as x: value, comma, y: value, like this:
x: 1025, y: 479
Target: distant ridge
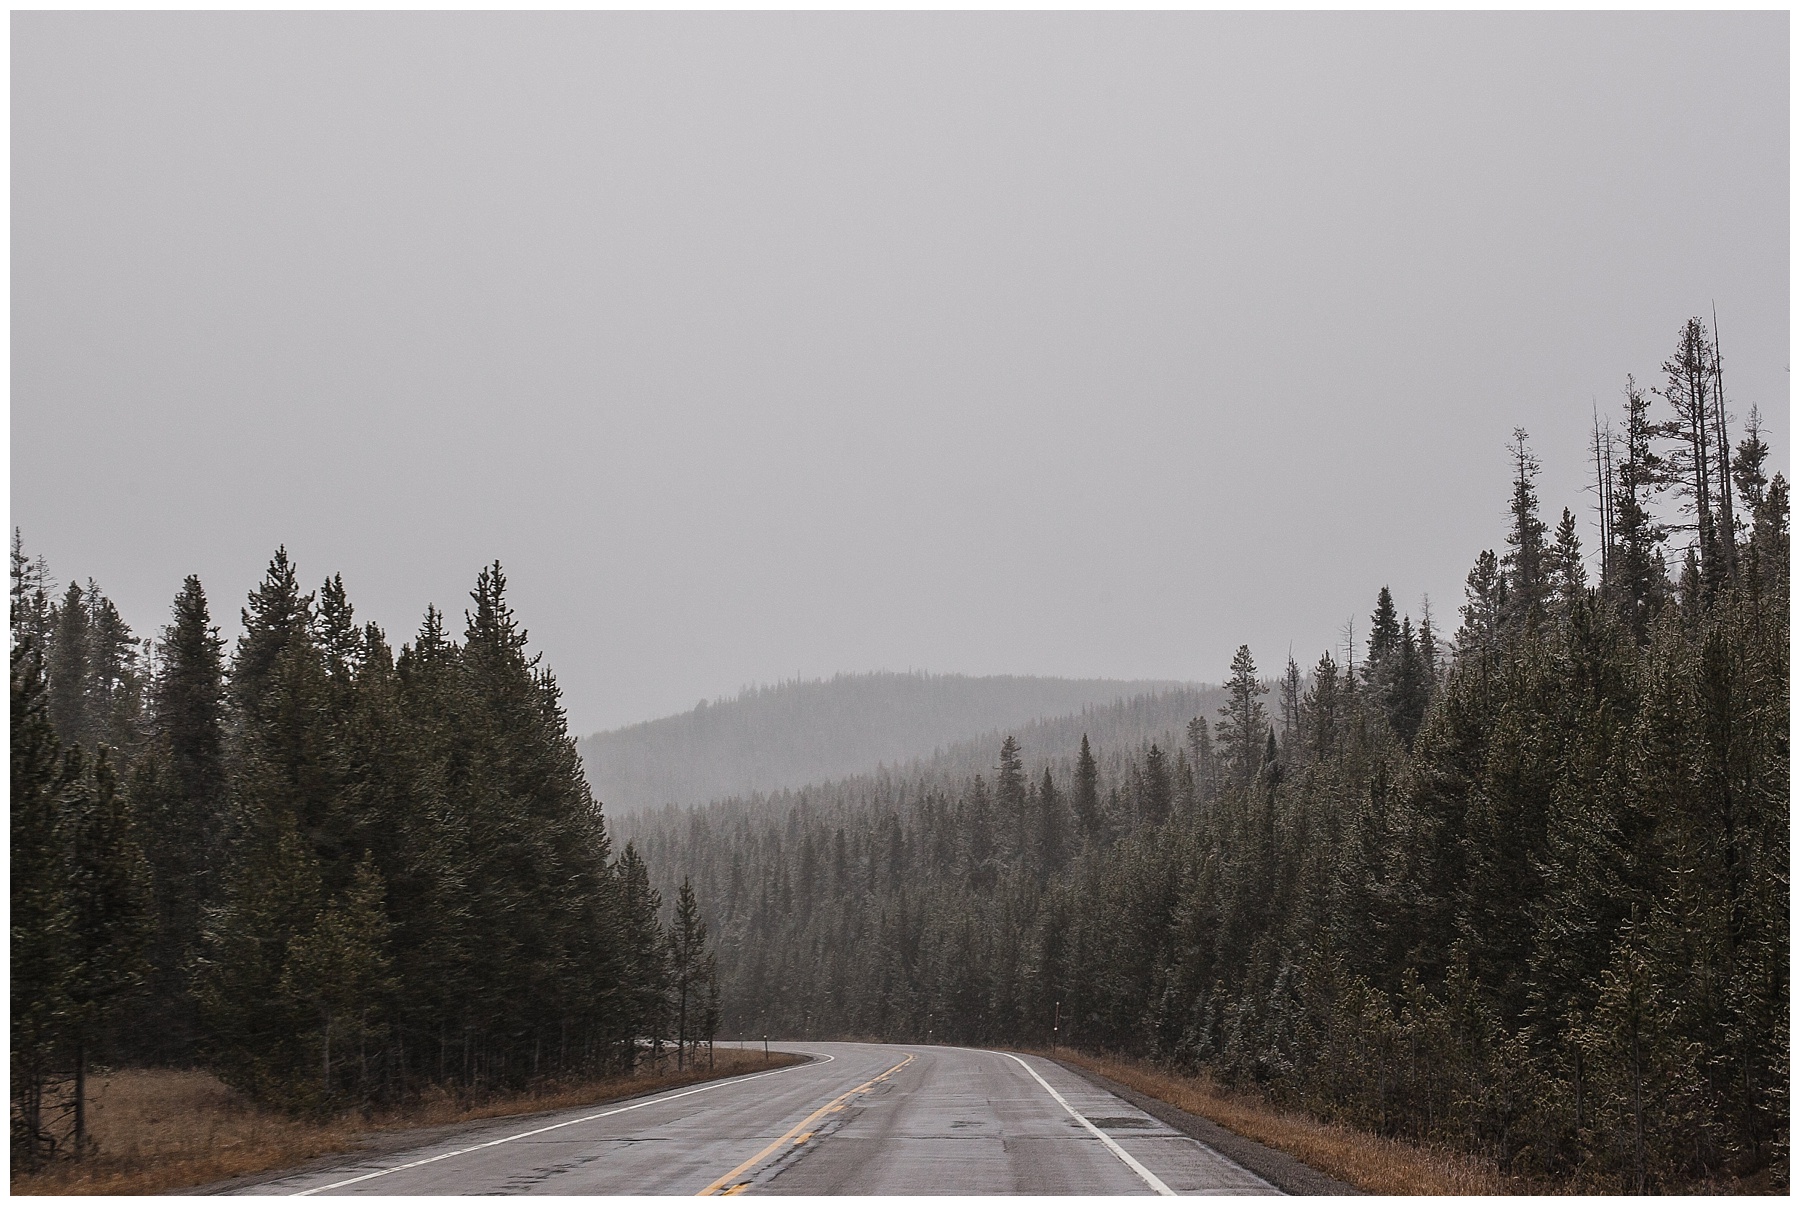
x: 796, y: 733
x: 1118, y: 733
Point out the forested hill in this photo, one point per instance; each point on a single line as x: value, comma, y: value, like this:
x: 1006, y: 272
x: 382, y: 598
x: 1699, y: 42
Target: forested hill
x: 1117, y: 733
x: 786, y: 736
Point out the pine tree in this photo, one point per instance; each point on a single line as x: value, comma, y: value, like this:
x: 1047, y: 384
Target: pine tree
x: 1319, y: 708
x: 1428, y: 641
x: 1528, y: 584
x: 1569, y: 573
x: 30, y: 598
x: 180, y: 795
x: 688, y: 967
x: 1051, y: 846
x: 1486, y: 603
x: 1384, y: 637
x: 111, y: 914
x: 114, y: 692
x: 1765, y: 502
x: 1200, y: 749
x: 1638, y: 586
x: 1156, y: 791
x: 1746, y: 468
x: 284, y: 711
x: 79, y: 905
x: 1086, y: 800
x: 1409, y: 688
x: 42, y: 916
x: 1243, y: 719
x: 645, y: 969
x: 68, y: 667
x: 1009, y: 793
x: 276, y: 617
x: 335, y: 630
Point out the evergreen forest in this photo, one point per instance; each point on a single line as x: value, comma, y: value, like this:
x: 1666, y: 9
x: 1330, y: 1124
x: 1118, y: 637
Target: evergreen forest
x: 1520, y: 889
x: 333, y: 874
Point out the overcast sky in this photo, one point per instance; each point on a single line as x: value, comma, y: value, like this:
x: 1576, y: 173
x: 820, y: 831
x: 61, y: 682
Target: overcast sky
x: 757, y: 346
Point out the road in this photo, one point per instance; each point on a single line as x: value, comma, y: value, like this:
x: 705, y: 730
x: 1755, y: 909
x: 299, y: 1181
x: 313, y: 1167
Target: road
x: 863, y: 1118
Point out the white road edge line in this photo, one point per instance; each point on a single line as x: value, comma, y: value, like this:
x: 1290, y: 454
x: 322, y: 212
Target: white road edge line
x: 1151, y: 1179
x: 717, y: 1084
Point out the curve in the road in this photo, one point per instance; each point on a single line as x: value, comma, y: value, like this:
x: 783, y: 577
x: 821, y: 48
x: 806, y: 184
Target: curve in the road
x: 861, y: 1118
x: 794, y: 1133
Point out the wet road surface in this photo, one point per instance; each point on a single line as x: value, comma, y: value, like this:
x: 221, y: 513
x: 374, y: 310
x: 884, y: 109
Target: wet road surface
x: 863, y: 1118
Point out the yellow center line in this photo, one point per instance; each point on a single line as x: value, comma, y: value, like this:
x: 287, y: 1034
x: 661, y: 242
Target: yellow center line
x: 834, y: 1104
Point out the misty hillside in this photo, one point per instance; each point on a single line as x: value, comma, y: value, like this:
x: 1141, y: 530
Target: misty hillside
x: 770, y: 738
x: 1118, y: 733
x: 1115, y: 730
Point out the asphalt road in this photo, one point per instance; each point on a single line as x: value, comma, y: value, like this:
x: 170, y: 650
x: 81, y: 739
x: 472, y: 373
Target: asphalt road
x: 864, y: 1118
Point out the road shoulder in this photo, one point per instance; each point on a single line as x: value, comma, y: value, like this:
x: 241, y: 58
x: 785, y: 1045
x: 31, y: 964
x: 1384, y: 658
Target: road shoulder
x: 1277, y: 1168
x: 394, y: 1141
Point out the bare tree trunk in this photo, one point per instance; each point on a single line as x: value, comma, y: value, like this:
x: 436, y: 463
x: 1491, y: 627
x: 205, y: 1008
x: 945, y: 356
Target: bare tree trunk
x: 1637, y: 1111
x: 1726, y: 522
x: 1603, y: 492
x: 80, y: 1099
x: 362, y: 1053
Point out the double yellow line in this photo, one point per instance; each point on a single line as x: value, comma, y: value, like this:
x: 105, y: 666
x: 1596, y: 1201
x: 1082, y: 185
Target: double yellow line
x: 835, y: 1104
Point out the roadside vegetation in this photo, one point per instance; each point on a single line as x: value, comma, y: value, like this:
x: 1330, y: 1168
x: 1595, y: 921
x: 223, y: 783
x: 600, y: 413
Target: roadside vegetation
x: 339, y: 878
x: 1521, y: 894
x: 1370, y: 1162
x: 159, y: 1129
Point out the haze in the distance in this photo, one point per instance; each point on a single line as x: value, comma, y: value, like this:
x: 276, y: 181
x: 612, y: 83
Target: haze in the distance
x: 758, y: 346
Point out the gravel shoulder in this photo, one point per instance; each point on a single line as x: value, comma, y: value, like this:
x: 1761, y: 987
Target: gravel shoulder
x: 1277, y: 1168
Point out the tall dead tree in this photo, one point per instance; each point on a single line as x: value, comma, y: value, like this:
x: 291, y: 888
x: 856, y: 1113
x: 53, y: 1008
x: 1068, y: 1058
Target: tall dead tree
x: 1727, y: 527
x: 1693, y: 467
x: 1603, y: 488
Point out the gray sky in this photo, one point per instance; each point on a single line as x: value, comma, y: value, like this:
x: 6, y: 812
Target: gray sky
x: 762, y: 345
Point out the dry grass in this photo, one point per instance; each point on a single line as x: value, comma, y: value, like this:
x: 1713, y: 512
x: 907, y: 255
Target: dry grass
x: 1369, y: 1162
x: 158, y: 1129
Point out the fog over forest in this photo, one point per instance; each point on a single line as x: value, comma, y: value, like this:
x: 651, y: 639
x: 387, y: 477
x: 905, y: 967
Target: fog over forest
x: 799, y: 733
x: 398, y: 396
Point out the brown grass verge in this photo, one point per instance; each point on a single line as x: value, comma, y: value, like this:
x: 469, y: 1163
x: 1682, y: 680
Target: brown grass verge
x: 159, y: 1129
x: 1369, y: 1162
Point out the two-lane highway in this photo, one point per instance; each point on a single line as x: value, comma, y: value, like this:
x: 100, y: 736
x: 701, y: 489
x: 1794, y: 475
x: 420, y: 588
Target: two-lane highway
x: 864, y: 1118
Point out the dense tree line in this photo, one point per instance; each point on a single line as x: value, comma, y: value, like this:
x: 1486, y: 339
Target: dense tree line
x: 1524, y: 891
x: 333, y: 873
